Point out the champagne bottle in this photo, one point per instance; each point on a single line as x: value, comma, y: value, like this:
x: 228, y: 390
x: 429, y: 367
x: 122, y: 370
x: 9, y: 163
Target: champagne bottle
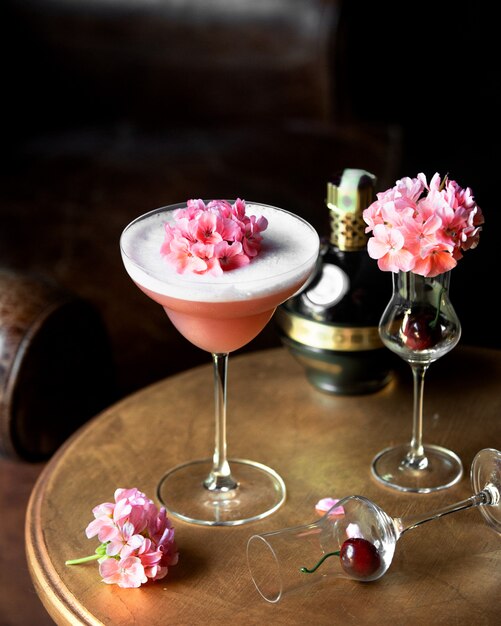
x: 331, y: 327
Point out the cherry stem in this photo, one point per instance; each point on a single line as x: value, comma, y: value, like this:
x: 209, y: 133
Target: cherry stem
x: 305, y: 570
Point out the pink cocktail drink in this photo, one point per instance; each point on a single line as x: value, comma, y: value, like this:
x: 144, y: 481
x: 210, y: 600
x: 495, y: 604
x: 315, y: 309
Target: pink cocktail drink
x: 221, y: 326
x: 220, y: 309
x: 221, y: 314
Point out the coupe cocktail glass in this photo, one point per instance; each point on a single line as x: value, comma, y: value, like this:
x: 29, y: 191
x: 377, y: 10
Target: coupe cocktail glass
x: 220, y: 315
x: 356, y: 539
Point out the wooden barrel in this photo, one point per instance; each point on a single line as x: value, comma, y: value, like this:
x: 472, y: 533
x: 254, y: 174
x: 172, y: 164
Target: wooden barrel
x: 56, y: 366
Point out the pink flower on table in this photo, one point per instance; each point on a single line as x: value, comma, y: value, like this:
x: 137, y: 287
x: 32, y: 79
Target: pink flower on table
x: 125, y: 541
x: 133, y: 496
x: 137, y: 540
x: 328, y: 505
x: 134, y: 507
x: 151, y: 560
x: 126, y: 573
x: 103, y: 525
x: 161, y: 533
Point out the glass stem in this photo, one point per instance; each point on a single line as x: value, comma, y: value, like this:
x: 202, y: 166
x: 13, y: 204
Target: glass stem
x: 403, y: 524
x: 220, y: 478
x: 416, y: 458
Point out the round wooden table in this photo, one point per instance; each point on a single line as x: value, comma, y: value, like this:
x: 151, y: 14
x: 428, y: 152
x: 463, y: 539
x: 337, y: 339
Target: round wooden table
x: 447, y: 571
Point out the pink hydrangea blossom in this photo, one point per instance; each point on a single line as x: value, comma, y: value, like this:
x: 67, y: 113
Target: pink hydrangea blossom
x: 212, y: 238
x: 137, y: 540
x: 422, y: 227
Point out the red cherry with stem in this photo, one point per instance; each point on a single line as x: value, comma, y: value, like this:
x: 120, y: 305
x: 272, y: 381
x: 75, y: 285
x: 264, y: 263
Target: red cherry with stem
x: 421, y: 330
x: 359, y: 558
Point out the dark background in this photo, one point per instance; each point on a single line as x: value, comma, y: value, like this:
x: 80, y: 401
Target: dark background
x: 111, y: 109
x: 438, y: 78
x: 261, y: 99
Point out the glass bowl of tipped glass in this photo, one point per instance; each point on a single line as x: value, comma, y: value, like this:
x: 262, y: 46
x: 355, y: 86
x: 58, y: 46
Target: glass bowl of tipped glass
x: 356, y: 539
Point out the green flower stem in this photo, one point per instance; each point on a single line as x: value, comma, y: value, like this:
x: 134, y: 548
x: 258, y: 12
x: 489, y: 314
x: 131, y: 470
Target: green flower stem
x: 100, y: 552
x: 433, y: 323
x: 84, y: 559
x: 305, y: 570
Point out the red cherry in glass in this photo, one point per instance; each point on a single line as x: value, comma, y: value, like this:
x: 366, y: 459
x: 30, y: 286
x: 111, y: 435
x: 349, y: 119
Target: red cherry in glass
x: 420, y: 330
x: 359, y: 558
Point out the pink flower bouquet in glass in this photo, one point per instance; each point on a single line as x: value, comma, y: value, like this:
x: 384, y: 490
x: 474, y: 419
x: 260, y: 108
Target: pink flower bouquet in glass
x: 421, y: 227
x: 137, y: 540
x: 419, y: 231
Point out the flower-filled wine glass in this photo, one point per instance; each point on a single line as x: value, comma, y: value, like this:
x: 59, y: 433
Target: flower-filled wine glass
x: 356, y: 539
x: 219, y: 280
x: 419, y: 232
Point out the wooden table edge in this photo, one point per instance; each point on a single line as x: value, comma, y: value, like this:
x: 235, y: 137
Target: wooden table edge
x: 58, y: 601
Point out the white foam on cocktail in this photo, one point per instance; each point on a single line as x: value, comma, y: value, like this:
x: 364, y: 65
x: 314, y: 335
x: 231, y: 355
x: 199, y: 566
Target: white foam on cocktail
x: 289, y: 250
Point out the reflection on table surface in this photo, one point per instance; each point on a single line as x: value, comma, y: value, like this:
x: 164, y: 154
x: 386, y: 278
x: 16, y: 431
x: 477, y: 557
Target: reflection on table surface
x: 445, y: 572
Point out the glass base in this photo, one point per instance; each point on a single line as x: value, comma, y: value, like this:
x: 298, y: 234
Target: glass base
x: 486, y: 473
x: 438, y: 469
x: 260, y: 492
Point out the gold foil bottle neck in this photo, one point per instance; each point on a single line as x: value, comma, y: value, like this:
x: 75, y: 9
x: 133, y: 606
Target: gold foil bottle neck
x: 347, y: 198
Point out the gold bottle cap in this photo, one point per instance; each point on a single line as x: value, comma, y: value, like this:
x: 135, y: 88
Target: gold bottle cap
x: 347, y: 198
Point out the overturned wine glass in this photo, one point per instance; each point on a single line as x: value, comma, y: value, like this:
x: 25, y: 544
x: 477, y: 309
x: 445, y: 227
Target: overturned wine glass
x: 356, y: 539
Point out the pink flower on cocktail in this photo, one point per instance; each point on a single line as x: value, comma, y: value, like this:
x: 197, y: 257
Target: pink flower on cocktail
x: 230, y: 256
x: 212, y: 238
x: 187, y: 256
x: 423, y: 228
x: 252, y: 238
x: 137, y: 540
